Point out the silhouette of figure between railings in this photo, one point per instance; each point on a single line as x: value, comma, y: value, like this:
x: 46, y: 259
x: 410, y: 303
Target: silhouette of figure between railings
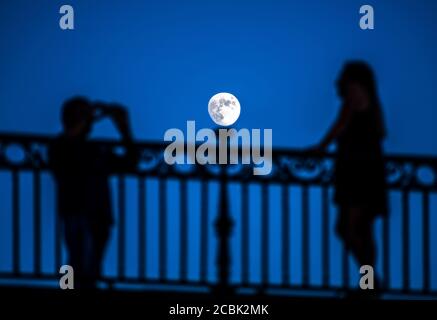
x: 81, y: 169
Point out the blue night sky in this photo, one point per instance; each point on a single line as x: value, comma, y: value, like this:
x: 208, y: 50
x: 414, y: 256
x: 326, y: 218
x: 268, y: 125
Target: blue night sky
x: 165, y: 59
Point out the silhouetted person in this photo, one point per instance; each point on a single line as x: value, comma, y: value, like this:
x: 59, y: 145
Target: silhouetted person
x: 360, y: 192
x: 81, y: 169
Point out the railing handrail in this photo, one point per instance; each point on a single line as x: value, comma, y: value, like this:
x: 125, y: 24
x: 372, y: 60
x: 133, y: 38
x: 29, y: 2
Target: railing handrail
x: 284, y: 160
x: 16, y: 137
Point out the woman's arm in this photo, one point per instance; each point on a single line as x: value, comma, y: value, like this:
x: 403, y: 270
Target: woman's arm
x: 338, y: 126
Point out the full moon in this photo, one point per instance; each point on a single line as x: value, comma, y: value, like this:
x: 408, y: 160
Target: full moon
x: 224, y: 108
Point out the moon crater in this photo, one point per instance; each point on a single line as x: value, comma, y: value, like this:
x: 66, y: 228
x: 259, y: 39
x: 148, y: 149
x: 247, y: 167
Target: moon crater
x: 224, y: 109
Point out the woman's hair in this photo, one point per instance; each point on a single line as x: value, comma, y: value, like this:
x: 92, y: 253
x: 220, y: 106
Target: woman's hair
x: 361, y: 73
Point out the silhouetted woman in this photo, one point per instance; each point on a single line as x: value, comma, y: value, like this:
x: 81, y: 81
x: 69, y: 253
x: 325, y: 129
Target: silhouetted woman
x: 360, y: 192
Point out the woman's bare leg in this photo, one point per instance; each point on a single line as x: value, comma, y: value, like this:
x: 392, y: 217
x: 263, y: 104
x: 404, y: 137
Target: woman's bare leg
x: 362, y: 244
x: 355, y: 228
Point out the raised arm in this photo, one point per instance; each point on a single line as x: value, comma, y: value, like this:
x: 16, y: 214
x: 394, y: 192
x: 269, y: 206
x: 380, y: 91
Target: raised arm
x: 130, y: 159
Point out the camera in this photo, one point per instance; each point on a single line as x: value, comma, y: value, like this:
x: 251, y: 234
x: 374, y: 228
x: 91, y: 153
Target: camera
x: 102, y: 110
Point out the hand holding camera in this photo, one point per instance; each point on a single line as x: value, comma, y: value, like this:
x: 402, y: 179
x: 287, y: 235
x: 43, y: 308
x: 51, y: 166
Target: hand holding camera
x: 118, y: 115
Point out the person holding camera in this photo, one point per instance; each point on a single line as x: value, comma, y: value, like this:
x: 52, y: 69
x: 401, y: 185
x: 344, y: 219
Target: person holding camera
x: 81, y: 169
